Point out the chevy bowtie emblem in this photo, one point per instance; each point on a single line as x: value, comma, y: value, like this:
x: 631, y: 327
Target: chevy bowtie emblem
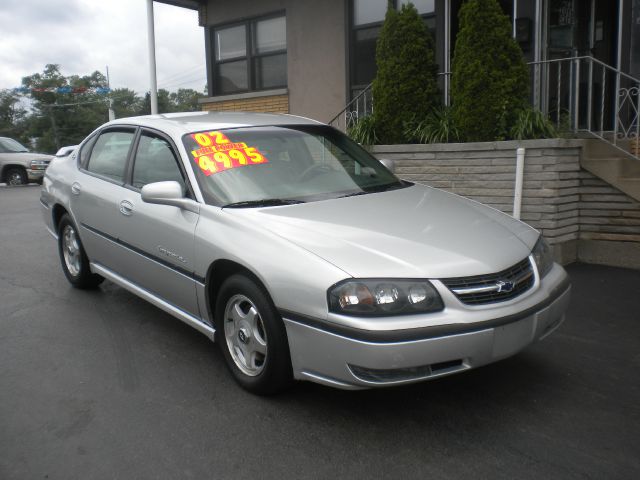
x: 504, y: 286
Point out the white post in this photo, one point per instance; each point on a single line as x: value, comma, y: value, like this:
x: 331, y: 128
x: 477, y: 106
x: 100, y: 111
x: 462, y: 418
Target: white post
x: 151, y: 39
x: 515, y: 16
x: 517, y: 197
x: 112, y: 114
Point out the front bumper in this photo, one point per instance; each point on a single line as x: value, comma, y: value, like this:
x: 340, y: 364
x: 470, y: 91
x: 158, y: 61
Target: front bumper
x: 339, y: 360
x: 35, y: 175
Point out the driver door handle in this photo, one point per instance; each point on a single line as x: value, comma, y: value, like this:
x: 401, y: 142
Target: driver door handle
x: 126, y: 207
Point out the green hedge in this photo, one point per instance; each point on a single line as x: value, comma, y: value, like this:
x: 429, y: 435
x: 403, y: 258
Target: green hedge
x: 489, y: 78
x: 405, y: 87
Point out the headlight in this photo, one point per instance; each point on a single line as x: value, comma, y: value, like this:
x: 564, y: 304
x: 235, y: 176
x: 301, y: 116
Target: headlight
x: 380, y: 297
x: 543, y: 256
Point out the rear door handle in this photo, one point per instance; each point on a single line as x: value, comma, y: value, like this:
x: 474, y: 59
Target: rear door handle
x: 126, y: 207
x: 76, y: 188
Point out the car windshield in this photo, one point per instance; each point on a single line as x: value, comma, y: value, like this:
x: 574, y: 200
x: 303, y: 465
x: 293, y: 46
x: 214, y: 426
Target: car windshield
x: 11, y: 146
x: 279, y: 165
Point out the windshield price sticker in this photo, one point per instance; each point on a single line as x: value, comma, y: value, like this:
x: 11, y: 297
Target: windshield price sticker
x: 217, y: 153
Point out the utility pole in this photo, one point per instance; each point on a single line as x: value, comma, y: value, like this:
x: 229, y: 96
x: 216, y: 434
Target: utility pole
x: 52, y: 117
x: 151, y: 40
x: 112, y: 114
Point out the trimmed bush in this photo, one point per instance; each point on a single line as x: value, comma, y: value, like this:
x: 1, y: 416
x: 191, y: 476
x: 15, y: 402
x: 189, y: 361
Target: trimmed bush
x: 364, y: 131
x: 438, y: 127
x: 489, y: 78
x: 405, y: 86
x: 532, y: 124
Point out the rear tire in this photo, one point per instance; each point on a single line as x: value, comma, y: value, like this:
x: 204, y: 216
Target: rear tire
x: 16, y: 176
x: 252, y: 337
x: 73, y: 258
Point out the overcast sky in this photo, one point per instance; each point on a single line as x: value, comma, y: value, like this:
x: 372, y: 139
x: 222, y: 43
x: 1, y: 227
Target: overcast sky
x: 86, y: 35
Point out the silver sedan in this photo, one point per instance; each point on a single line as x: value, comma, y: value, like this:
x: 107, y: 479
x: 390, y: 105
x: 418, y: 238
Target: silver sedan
x: 302, y: 254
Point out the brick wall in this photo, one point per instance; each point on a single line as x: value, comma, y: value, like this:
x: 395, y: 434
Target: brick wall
x: 568, y: 204
x: 263, y: 104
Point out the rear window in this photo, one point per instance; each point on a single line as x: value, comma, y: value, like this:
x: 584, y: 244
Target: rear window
x: 109, y: 155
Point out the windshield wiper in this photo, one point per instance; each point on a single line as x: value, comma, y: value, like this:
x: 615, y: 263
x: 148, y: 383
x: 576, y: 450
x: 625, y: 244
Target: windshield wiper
x: 265, y: 202
x: 374, y: 189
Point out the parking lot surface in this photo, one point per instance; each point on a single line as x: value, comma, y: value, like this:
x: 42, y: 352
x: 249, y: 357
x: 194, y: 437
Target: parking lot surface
x: 103, y: 385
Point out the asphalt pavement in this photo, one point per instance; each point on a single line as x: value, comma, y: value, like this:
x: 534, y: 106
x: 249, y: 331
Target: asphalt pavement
x: 102, y: 385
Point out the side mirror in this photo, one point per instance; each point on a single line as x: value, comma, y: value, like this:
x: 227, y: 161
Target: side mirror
x: 390, y: 164
x: 168, y: 193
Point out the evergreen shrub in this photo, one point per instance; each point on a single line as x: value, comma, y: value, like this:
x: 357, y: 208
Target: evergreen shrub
x: 489, y: 78
x: 405, y: 87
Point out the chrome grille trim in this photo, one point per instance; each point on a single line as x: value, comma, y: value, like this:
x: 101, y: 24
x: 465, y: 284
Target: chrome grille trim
x: 495, y: 287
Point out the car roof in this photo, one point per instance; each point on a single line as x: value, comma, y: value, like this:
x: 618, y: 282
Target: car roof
x: 181, y: 123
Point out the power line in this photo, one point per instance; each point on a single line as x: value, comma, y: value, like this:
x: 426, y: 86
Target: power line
x: 186, y: 71
x: 191, y: 80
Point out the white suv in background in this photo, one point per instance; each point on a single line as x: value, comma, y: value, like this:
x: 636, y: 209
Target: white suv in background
x: 19, y: 166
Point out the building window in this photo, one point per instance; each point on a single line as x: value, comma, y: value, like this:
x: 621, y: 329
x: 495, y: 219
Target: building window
x: 251, y: 55
x: 367, y: 18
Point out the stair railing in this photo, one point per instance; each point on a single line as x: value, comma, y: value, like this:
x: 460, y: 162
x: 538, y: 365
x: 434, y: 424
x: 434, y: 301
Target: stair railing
x: 360, y: 106
x: 585, y: 95
x: 581, y: 95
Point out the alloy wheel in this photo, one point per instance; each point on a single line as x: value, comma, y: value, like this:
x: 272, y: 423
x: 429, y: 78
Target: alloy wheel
x: 245, y: 335
x: 71, y: 250
x: 14, y: 178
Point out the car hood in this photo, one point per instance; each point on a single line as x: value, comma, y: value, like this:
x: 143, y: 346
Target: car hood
x: 414, y: 232
x: 25, y: 156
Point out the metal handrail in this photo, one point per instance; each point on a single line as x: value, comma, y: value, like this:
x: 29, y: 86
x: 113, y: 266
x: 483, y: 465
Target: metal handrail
x: 609, y: 108
x: 588, y: 58
x: 355, y: 101
x: 611, y: 98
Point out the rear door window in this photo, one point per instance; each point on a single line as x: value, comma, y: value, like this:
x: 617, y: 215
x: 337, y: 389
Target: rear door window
x: 109, y: 154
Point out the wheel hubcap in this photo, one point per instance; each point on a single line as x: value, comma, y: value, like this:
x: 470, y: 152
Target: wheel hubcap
x: 71, y: 250
x: 245, y: 335
x: 15, y: 179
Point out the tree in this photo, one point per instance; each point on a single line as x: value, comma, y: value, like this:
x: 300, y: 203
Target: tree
x: 126, y: 103
x: 405, y: 87
x: 12, y: 116
x: 489, y: 78
x: 184, y: 100
x: 65, y: 109
x: 64, y: 118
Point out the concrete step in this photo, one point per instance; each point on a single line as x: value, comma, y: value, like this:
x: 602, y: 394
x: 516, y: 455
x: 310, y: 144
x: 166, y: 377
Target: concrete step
x: 597, y: 148
x: 620, y: 166
x: 630, y: 186
x: 619, y: 169
x: 622, y: 173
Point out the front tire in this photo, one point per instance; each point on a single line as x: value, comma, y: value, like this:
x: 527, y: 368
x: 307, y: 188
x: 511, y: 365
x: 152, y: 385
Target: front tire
x: 75, y: 263
x: 16, y: 176
x: 252, y: 337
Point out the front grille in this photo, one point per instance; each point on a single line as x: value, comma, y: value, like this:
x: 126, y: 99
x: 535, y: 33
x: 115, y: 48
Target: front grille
x: 494, y: 287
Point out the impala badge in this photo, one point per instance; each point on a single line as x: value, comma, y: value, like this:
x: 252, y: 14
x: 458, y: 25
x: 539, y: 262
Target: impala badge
x: 170, y: 254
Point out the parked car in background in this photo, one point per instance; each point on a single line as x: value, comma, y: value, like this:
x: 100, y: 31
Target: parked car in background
x: 303, y: 254
x: 66, y: 151
x: 19, y: 166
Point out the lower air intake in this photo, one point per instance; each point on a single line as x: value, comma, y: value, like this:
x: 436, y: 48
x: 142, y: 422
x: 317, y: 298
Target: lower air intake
x: 394, y: 375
